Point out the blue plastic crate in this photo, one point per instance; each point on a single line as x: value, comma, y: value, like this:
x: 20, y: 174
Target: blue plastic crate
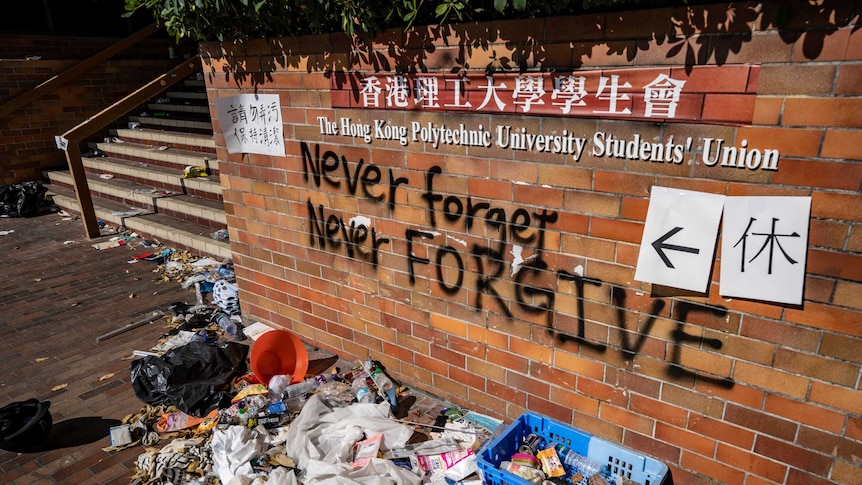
x: 616, y: 459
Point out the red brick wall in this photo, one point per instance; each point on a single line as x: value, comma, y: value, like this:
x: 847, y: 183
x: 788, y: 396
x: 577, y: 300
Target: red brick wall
x: 28, y: 134
x: 53, y: 47
x: 723, y: 390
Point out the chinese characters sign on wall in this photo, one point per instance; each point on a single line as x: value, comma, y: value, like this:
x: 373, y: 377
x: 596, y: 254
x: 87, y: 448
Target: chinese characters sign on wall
x: 251, y: 123
x: 764, y: 246
x: 645, y: 94
x: 763, y: 249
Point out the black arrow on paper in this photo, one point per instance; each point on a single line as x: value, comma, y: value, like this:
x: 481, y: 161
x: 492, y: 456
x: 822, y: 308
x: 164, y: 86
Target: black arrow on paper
x: 660, y: 247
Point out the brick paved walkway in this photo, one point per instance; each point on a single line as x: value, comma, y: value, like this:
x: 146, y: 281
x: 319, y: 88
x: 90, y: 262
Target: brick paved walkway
x: 57, y: 294
x: 55, y: 299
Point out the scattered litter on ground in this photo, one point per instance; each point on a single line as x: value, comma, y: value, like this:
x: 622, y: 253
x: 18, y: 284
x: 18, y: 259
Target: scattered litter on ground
x: 6, y: 233
x: 129, y: 213
x: 221, y: 235
x: 111, y: 243
x: 296, y: 416
x: 94, y: 153
x: 195, y: 171
x: 58, y: 387
x: 41, y: 359
x: 208, y: 420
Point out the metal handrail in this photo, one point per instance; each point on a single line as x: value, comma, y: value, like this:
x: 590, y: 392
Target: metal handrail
x: 73, y: 72
x: 73, y: 137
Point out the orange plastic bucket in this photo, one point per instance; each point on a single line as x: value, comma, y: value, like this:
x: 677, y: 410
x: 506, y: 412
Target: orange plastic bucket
x: 278, y: 352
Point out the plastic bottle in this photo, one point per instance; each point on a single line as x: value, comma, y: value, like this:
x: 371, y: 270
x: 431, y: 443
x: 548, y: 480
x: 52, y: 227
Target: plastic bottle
x: 226, y: 323
x: 360, y: 390
x: 277, y: 407
x: 322, y: 379
x: 243, y: 416
x: 306, y: 386
x: 379, y: 377
x: 575, y: 462
x: 300, y: 388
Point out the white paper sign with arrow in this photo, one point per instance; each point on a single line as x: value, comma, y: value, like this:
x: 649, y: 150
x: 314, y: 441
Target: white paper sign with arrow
x: 678, y: 243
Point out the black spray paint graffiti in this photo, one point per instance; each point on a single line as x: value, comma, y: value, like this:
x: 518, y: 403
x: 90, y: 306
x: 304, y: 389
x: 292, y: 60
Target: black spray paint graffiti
x: 516, y: 227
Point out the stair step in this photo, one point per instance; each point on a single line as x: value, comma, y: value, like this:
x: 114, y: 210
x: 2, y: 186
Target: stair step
x: 194, y: 83
x: 163, y: 177
x: 186, y: 95
x: 168, y: 137
x: 122, y: 189
x: 173, y: 122
x: 170, y: 156
x: 167, y: 229
x: 193, y: 206
x: 179, y: 108
x: 149, y: 198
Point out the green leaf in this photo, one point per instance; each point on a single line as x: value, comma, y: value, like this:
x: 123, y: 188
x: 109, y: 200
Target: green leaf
x: 258, y: 5
x: 519, y: 4
x: 499, y: 5
x: 441, y: 10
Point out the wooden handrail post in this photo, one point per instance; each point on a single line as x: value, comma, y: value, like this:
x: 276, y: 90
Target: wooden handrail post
x: 82, y: 190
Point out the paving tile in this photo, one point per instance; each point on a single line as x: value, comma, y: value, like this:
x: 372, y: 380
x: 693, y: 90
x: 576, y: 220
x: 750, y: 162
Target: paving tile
x: 81, y: 293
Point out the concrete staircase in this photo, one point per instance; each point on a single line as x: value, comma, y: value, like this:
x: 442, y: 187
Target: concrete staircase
x: 140, y: 183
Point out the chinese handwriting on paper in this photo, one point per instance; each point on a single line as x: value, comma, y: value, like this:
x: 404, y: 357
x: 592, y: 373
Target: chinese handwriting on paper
x: 252, y: 123
x: 256, y: 123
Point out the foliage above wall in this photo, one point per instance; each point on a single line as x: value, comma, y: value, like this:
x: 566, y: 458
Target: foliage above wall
x: 241, y: 19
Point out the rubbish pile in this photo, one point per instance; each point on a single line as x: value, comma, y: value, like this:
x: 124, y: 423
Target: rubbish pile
x: 224, y: 408
x: 540, y: 450
x: 226, y: 403
x: 26, y: 199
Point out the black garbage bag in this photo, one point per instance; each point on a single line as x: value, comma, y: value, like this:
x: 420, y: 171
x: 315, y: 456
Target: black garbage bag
x: 195, y: 378
x: 24, y: 425
x: 22, y: 200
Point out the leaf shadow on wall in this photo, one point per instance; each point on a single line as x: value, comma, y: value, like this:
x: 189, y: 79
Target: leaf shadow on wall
x: 696, y: 34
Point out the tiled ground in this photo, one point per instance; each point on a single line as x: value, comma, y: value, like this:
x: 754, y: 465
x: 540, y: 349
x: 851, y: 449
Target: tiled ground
x: 55, y: 299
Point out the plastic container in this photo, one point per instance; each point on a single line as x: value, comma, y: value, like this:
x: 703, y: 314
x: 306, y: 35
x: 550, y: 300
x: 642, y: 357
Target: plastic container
x: 614, y: 459
x: 278, y: 352
x: 278, y: 407
x: 378, y: 376
x: 306, y: 386
x: 300, y: 388
x: 576, y: 462
x: 225, y: 323
x: 360, y: 390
